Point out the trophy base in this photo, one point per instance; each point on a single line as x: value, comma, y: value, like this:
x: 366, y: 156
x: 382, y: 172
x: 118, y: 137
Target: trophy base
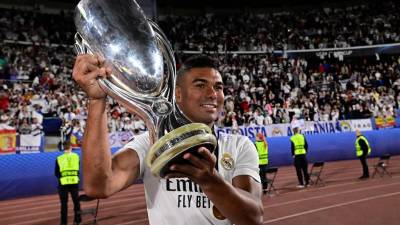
x: 178, y: 159
x: 171, y: 147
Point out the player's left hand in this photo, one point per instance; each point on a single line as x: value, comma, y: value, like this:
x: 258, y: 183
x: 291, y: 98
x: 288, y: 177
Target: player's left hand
x: 201, y: 170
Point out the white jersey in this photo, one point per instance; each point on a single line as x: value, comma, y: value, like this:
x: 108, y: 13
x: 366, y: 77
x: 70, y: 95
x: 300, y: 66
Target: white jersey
x: 179, y: 201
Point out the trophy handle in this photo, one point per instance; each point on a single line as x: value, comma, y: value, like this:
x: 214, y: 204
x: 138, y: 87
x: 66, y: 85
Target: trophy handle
x: 81, y: 45
x: 168, y: 54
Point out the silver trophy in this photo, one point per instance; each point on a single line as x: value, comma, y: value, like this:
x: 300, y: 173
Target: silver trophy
x: 137, y: 52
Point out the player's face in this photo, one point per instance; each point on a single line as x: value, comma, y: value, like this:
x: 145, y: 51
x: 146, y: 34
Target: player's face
x: 200, y: 95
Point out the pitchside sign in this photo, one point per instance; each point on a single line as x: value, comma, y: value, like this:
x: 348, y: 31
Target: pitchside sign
x: 28, y: 143
x: 279, y: 130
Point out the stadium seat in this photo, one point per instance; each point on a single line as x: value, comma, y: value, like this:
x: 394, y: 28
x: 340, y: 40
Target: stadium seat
x: 90, y: 210
x: 315, y: 173
x: 270, y: 176
x: 382, y: 165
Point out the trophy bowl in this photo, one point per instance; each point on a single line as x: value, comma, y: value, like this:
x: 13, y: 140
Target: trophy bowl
x: 143, y: 73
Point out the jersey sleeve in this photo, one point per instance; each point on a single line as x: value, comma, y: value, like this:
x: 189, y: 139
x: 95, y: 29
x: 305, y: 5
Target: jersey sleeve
x: 247, y: 160
x: 141, y: 145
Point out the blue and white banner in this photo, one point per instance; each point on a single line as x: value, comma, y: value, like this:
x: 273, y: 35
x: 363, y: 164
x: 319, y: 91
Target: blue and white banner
x: 277, y: 130
x: 320, y: 128
x: 353, y: 125
x: 309, y: 127
x: 28, y: 143
x: 249, y: 131
x: 119, y: 139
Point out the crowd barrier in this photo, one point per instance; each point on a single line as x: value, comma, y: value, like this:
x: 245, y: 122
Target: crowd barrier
x: 33, y: 174
x: 333, y: 147
x: 26, y: 175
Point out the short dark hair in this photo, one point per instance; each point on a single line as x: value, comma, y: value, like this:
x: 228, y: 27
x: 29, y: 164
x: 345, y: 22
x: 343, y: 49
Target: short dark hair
x: 66, y: 144
x: 197, y: 61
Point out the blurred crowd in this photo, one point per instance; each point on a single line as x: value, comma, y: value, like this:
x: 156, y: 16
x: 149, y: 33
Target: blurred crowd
x: 308, y: 27
x: 35, y: 76
x: 265, y: 90
x: 304, y: 28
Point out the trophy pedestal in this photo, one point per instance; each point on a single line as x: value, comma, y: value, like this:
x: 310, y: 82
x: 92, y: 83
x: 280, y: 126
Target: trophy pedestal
x: 171, y: 147
x: 178, y: 159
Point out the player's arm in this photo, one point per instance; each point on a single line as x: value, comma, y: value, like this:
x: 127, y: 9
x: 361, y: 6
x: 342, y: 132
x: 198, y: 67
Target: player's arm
x: 103, y: 175
x: 240, y: 201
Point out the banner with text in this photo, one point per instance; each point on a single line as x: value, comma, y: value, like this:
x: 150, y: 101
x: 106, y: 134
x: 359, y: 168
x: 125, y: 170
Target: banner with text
x: 119, y: 139
x: 309, y: 127
x: 353, y: 125
x: 29, y: 143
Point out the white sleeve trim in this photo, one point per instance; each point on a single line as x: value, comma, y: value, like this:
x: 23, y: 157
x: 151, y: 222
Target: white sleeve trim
x: 139, y: 144
x: 247, y: 171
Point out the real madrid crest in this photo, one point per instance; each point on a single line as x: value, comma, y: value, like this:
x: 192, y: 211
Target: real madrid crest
x: 227, y: 161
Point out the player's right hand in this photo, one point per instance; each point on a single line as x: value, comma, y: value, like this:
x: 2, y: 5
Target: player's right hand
x: 86, y: 70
